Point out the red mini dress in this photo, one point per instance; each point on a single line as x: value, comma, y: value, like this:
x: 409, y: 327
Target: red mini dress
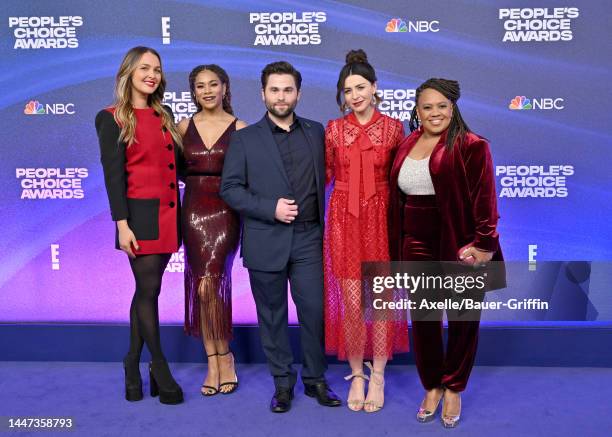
x: 150, y: 180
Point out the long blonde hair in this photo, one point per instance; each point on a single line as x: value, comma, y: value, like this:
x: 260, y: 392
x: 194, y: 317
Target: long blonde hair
x: 124, y: 112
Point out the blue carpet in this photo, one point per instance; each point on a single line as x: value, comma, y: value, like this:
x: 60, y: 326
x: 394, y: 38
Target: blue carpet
x: 500, y: 401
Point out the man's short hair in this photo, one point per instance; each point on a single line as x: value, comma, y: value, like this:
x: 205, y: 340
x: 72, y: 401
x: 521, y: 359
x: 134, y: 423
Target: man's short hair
x: 280, y: 67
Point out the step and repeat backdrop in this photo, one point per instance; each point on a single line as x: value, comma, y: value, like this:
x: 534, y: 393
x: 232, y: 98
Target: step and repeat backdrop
x: 535, y: 78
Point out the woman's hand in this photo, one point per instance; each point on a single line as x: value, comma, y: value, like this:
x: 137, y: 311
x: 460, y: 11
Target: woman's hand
x: 127, y: 239
x: 475, y: 256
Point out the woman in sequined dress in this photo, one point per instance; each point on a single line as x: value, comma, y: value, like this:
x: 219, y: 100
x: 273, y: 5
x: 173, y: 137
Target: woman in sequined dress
x: 211, y: 229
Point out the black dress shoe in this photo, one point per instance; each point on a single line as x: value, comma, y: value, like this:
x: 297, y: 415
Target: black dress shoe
x: 325, y: 395
x: 281, y: 401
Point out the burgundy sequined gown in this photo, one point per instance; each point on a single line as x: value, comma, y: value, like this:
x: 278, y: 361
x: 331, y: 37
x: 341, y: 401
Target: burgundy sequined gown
x: 211, y: 235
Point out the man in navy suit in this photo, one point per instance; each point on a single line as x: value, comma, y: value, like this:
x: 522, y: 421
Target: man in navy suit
x: 274, y: 176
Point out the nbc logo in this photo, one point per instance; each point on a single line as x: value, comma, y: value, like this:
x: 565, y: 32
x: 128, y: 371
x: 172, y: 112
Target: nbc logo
x: 33, y: 107
x: 545, y: 103
x: 396, y: 25
x: 520, y: 102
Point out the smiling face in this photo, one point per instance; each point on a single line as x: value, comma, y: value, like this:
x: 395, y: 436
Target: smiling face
x: 280, y: 95
x: 209, y: 90
x: 435, y: 111
x: 147, y: 75
x: 358, y: 93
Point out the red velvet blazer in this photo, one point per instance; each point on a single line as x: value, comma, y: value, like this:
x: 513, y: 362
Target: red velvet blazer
x: 463, y: 179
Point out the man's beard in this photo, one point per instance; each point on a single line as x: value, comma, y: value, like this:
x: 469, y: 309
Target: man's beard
x: 288, y: 112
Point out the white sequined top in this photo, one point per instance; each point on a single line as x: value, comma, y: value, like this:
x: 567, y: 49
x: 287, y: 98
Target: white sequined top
x: 414, y: 177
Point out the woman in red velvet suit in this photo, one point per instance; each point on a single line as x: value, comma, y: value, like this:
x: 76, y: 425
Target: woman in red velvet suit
x: 443, y: 200
x: 138, y: 142
x: 359, y: 150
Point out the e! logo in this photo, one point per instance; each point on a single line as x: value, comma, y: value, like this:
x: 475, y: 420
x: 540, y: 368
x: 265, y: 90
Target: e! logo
x: 165, y: 23
x: 533, y: 251
x: 55, y: 263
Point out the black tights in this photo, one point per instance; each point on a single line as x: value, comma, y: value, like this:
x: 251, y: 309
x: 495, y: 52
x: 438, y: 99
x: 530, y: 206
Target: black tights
x: 144, y: 317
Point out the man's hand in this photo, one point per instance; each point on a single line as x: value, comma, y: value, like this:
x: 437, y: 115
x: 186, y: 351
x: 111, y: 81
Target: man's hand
x: 286, y: 210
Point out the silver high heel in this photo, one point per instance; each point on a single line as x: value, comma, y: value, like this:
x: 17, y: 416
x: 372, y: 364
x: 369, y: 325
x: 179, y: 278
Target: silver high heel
x: 424, y: 415
x: 355, y: 404
x: 450, y: 421
x: 377, y: 378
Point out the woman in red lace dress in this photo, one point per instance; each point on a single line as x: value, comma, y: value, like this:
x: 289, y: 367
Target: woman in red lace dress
x: 359, y: 152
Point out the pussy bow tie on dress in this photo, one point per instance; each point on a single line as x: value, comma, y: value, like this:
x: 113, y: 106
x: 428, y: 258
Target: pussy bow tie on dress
x: 361, y: 159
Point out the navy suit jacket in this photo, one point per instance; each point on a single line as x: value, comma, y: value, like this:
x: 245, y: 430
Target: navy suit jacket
x: 253, y: 180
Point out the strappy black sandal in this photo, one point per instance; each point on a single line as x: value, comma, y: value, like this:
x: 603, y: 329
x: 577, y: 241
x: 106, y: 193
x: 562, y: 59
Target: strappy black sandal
x: 208, y: 390
x: 233, y: 385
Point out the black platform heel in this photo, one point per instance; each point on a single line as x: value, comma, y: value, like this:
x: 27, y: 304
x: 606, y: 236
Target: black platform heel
x: 133, y: 381
x: 163, y: 384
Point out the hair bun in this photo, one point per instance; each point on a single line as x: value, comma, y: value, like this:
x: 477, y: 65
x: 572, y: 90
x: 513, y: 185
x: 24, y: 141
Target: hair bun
x: 356, y: 56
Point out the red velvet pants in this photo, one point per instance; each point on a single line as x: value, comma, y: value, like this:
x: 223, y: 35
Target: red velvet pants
x: 436, y: 366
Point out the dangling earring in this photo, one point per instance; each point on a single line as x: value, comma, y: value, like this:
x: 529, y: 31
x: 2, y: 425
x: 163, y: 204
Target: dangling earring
x: 373, y: 99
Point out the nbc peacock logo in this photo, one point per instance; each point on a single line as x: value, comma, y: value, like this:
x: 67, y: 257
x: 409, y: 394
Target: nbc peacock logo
x: 396, y: 25
x: 33, y: 107
x: 520, y: 102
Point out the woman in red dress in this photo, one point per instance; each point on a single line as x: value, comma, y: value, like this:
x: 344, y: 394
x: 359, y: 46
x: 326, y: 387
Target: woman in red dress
x: 443, y: 207
x: 138, y: 142
x: 359, y: 150
x: 211, y: 230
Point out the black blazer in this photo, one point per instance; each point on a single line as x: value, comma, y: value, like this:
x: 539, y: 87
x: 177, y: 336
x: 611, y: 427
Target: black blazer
x: 253, y: 180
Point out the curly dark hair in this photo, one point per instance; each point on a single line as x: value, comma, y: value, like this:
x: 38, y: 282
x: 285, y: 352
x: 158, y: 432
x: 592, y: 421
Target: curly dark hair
x: 223, y: 77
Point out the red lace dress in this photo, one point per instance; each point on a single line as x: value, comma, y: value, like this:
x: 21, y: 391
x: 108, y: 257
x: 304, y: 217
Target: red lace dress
x: 358, y: 158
